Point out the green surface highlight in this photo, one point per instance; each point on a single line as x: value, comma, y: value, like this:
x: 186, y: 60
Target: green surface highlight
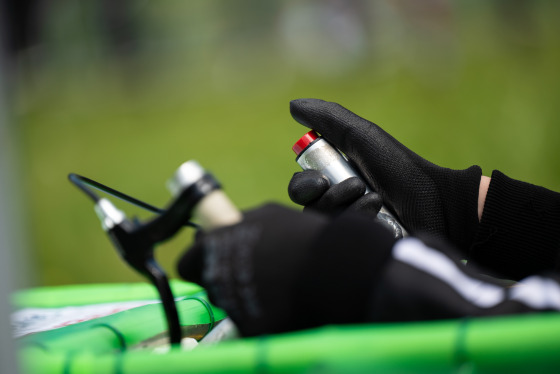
x: 84, y: 294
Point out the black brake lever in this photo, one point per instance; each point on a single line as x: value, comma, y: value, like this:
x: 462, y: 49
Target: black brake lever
x: 136, y: 241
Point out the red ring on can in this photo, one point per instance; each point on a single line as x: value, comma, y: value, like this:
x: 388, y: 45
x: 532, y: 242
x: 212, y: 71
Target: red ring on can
x: 304, y: 141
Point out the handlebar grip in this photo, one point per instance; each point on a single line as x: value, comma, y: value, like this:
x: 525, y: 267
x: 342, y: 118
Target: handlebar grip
x: 216, y: 210
x: 210, y: 205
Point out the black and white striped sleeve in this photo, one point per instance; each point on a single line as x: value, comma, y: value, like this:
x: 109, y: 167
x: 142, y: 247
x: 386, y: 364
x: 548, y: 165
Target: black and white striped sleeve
x: 427, y: 280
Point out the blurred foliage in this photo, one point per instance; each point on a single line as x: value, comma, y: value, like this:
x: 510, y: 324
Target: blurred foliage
x: 124, y: 92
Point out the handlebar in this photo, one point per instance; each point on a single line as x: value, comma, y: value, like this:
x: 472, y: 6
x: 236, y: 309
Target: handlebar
x: 197, y: 194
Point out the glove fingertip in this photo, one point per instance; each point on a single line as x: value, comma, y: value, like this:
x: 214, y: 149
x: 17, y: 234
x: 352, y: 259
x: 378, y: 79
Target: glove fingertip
x: 303, y: 110
x: 307, y: 186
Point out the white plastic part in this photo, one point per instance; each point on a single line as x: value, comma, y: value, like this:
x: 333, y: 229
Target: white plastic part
x: 224, y: 330
x: 186, y: 175
x: 109, y: 215
x: 216, y: 210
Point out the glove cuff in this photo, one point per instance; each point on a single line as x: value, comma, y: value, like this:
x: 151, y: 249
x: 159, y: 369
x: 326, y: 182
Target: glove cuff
x: 342, y: 267
x: 518, y: 231
x: 460, y: 196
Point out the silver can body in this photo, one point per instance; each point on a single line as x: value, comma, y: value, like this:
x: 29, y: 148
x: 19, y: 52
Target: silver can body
x: 323, y: 157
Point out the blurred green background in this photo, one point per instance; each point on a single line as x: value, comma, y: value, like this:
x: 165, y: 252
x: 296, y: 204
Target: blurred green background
x: 125, y: 91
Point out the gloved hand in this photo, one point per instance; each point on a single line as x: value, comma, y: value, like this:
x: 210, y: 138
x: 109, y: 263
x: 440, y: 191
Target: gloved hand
x: 280, y: 270
x: 424, y: 196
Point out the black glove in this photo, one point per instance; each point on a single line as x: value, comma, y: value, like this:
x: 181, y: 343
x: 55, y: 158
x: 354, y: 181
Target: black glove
x: 282, y: 270
x: 425, y: 197
x: 312, y: 189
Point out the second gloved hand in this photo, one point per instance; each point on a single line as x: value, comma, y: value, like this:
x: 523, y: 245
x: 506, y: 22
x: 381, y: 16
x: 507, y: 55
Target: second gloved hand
x: 279, y: 269
x: 425, y: 197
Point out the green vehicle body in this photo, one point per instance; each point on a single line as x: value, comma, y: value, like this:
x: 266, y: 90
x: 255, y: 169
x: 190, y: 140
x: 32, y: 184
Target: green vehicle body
x: 114, y: 343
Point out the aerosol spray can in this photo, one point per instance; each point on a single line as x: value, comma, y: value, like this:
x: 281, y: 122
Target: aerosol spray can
x: 315, y: 153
